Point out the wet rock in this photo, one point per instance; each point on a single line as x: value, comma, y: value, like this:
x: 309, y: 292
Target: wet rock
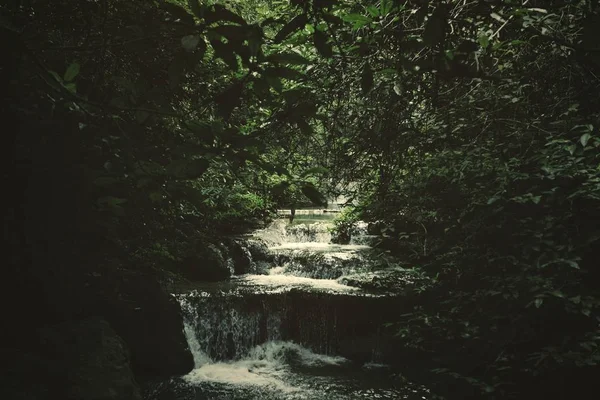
x: 150, y: 321
x: 390, y: 280
x: 206, y: 262
x: 259, y: 250
x: 90, y: 360
x: 240, y: 256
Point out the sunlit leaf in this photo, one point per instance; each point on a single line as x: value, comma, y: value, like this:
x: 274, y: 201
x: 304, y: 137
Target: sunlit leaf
x: 313, y: 194
x: 585, y: 138
x: 71, y: 72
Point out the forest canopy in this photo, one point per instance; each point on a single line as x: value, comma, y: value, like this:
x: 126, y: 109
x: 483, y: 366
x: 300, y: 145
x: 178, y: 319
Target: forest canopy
x: 468, y: 130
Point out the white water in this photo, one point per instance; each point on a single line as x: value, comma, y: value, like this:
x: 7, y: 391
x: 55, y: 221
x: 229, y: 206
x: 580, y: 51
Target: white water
x: 278, y: 280
x: 265, y: 366
x: 278, y: 369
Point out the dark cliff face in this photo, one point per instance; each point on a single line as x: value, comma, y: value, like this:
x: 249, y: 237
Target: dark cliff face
x: 142, y: 322
x: 79, y: 359
x: 150, y: 322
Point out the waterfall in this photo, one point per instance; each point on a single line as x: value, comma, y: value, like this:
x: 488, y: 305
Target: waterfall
x: 291, y: 329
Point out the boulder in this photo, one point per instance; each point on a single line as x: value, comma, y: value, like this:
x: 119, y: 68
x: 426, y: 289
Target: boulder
x: 89, y: 359
x: 206, y: 262
x: 150, y: 322
x: 240, y: 256
x: 259, y: 250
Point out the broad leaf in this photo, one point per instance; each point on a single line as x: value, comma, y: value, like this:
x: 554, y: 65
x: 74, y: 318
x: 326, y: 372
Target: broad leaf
x: 585, y: 138
x: 358, y: 20
x: 320, y: 41
x: 71, y: 72
x: 220, y: 13
x: 226, y: 52
x: 295, y: 24
x: 386, y: 6
x: 274, y: 82
x: 229, y: 99
x: 284, y: 72
x: 313, y: 194
x: 232, y: 32
x: 196, y: 8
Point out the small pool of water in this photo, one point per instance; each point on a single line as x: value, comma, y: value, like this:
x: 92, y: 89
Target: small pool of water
x: 287, y: 371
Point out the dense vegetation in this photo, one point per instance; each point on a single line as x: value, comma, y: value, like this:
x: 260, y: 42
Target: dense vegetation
x: 468, y: 130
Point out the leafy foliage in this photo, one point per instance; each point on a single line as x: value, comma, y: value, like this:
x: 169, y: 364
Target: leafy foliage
x: 467, y: 130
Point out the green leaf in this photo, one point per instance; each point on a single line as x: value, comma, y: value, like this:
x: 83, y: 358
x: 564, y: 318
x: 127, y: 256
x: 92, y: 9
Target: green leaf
x: 261, y: 87
x: 358, y: 20
x: 274, y: 82
x: 229, y: 99
x: 305, y: 109
x: 190, y: 42
x: 304, y: 126
x: 220, y: 13
x: 539, y: 302
x: 366, y: 79
x: 386, y: 6
x: 320, y: 41
x: 483, y: 40
x: 313, y: 194
x: 232, y: 32
x: 374, y: 11
x: 226, y: 52
x: 293, y: 95
x: 332, y: 19
x: 287, y: 58
x: 71, y: 72
x: 71, y: 87
x: 201, y: 130
x: 295, y: 24
x: 585, y: 138
x: 56, y: 76
x: 196, y: 8
x: 398, y: 88
x: 179, y: 13
x: 280, y: 187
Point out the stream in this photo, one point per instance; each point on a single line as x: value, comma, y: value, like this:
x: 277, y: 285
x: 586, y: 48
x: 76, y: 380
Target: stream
x: 292, y: 330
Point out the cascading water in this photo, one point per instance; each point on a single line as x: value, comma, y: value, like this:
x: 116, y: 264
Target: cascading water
x: 294, y: 332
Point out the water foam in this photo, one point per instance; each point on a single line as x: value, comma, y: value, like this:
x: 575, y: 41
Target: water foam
x: 266, y: 365
x: 286, y: 282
